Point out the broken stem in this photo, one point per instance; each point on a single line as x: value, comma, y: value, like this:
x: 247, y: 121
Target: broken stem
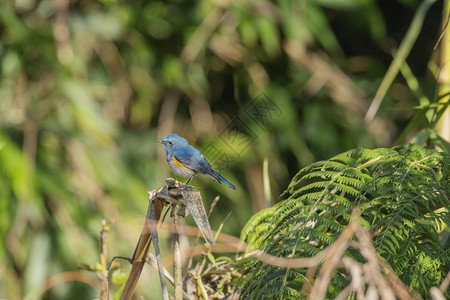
x: 177, y: 256
x: 152, y: 226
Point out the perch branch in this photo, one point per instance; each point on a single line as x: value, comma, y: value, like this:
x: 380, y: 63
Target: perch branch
x: 177, y: 257
x: 152, y: 225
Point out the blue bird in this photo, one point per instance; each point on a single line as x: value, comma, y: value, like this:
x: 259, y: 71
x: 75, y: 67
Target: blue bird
x: 186, y: 161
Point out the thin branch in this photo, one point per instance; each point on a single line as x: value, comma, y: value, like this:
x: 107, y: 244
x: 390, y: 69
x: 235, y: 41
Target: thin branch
x: 444, y: 285
x: 151, y: 260
x: 373, y: 269
x: 436, y: 294
x: 337, y: 250
x: 177, y: 256
x: 104, y: 292
x: 402, y: 291
x: 152, y: 227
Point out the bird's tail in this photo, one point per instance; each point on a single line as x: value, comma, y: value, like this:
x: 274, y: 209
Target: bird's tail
x: 219, y: 178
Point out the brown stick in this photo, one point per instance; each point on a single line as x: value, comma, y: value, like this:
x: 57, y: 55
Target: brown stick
x: 152, y: 225
x: 103, y: 256
x: 401, y: 290
x: 178, y: 285
x: 337, y: 250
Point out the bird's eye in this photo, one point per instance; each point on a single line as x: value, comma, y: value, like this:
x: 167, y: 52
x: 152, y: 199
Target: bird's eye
x: 170, y: 143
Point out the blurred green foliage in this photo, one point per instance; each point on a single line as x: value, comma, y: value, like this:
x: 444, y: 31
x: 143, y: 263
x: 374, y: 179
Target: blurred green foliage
x: 88, y: 87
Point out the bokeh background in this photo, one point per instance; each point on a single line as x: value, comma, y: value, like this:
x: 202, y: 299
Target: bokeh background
x: 263, y: 88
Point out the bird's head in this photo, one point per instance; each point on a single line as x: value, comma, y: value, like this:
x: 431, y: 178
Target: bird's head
x: 173, y: 141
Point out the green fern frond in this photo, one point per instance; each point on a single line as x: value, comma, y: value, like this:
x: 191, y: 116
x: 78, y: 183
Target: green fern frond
x: 257, y: 224
x: 403, y: 194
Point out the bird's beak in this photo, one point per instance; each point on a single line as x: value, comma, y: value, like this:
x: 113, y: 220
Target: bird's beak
x: 161, y: 142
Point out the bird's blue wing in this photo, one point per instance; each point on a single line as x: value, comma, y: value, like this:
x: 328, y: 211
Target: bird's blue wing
x: 193, y: 159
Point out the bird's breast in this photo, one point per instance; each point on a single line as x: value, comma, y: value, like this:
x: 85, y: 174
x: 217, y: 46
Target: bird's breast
x: 179, y: 168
